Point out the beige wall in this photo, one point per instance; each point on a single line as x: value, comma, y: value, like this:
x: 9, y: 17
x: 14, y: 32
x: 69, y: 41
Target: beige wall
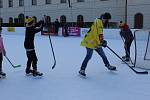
x: 90, y: 9
x: 139, y: 6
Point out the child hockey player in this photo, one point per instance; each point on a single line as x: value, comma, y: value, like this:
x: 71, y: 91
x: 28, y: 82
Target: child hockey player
x: 127, y: 37
x: 94, y: 41
x: 31, y: 30
x: 2, y: 52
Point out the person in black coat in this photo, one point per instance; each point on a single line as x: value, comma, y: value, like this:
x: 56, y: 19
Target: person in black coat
x: 57, y: 25
x: 30, y: 32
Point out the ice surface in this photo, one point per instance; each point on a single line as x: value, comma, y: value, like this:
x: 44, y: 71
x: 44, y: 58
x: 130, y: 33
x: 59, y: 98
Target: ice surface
x: 63, y: 83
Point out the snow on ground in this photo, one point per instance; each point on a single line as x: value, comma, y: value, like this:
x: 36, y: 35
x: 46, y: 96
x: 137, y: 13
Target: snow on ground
x: 63, y: 83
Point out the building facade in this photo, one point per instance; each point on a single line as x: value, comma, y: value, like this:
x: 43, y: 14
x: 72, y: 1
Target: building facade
x: 137, y: 10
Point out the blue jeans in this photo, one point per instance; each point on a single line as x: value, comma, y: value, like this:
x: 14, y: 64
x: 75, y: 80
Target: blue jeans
x: 89, y: 56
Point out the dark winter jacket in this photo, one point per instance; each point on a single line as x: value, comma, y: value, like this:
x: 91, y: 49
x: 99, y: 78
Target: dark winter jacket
x: 29, y: 37
x: 127, y: 35
x: 57, y: 24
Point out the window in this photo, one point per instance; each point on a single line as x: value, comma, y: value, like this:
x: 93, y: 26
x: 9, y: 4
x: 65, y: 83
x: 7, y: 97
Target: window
x: 34, y: 2
x: 1, y: 3
x: 138, y: 20
x: 10, y: 20
x: 48, y: 1
x: 80, y: 21
x: 21, y: 18
x: 10, y: 3
x: 63, y: 19
x: 21, y: 3
x: 80, y: 18
x: 80, y: 0
x: 63, y: 1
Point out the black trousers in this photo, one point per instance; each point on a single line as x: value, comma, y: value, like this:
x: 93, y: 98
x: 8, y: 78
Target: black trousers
x: 127, y: 48
x: 32, y: 60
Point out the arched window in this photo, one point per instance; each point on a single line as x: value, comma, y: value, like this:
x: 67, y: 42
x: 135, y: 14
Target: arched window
x: 21, y: 18
x: 80, y: 18
x: 62, y: 20
x: 138, y: 20
x: 80, y: 21
x: 10, y: 20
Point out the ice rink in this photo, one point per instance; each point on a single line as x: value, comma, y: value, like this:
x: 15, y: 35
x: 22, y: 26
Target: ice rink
x: 63, y: 82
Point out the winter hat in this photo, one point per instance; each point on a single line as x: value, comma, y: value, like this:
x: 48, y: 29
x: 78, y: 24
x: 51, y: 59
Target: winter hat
x: 124, y: 26
x: 29, y: 20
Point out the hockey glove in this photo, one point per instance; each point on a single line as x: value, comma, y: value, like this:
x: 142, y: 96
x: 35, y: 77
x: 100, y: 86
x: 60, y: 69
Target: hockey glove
x: 101, y: 37
x: 104, y: 43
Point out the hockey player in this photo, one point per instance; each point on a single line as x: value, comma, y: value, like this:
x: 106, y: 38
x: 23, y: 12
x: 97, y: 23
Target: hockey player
x: 127, y: 37
x: 30, y: 32
x: 2, y: 52
x: 94, y: 41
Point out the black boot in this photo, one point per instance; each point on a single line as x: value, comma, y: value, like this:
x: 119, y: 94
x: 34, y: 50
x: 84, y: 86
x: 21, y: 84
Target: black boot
x: 110, y: 67
x: 2, y: 74
x: 29, y: 71
x: 127, y: 59
x: 82, y: 72
x: 123, y: 57
x: 36, y: 73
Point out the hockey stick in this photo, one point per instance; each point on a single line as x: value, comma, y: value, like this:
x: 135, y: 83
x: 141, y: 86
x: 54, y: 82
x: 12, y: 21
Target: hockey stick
x: 148, y: 41
x: 14, y: 66
x: 52, y: 52
x: 137, y: 72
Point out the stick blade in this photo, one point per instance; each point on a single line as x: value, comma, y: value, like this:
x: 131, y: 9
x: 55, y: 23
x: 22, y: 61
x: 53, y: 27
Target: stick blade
x: 17, y: 66
x: 144, y: 72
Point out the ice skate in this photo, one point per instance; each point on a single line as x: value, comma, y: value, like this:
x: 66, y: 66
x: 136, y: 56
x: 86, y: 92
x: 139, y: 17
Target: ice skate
x: 2, y: 74
x: 126, y: 59
x: 123, y: 57
x: 36, y: 73
x: 82, y: 72
x: 29, y: 72
x: 110, y: 67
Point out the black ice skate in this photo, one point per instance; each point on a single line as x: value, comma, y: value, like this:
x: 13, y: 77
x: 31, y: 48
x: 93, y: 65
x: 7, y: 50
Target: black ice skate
x: 110, y: 67
x: 127, y: 59
x: 82, y: 72
x: 36, y: 73
x: 2, y: 74
x: 29, y: 72
x: 123, y: 57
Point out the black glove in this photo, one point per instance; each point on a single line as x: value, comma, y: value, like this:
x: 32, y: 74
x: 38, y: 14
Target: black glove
x: 41, y: 22
x: 104, y: 43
